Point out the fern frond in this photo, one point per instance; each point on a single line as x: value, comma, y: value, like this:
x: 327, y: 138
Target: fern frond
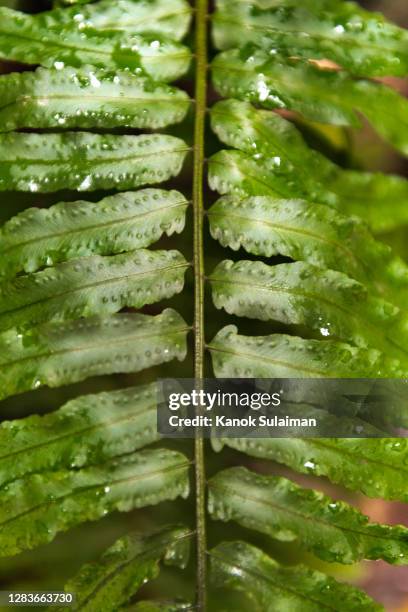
x: 325, y: 301
x: 282, y: 356
x: 34, y: 509
x: 125, y: 566
x: 310, y: 232
x: 51, y: 44
x: 237, y: 173
x: 61, y: 353
x: 241, y: 174
x: 377, y: 468
x: 67, y: 272
x: 270, y: 586
x: 88, y: 98
x: 39, y: 237
x: 168, y: 17
x: 274, y: 160
x: 88, y: 430
x: 327, y: 96
x: 332, y: 530
x: 86, y: 162
x: 361, y: 41
x: 263, y: 134
x: 91, y: 286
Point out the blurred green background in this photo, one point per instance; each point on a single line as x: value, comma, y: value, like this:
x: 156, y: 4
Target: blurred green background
x: 48, y: 567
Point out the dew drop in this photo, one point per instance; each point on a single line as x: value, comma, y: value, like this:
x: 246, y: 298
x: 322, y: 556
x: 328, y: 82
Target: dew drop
x: 86, y: 183
x: 33, y: 186
x: 263, y: 90
x: 94, y: 81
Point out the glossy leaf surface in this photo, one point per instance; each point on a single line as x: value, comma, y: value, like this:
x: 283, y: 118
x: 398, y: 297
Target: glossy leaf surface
x: 168, y: 17
x: 274, y: 160
x: 88, y: 430
x: 377, y: 468
x: 39, y: 237
x: 32, y: 39
x: 310, y: 232
x: 125, y: 566
x: 326, y: 96
x: 361, y: 41
x: 91, y: 286
x: 61, y: 353
x: 322, y: 300
x: 281, y: 356
x: 271, y: 586
x: 332, y: 530
x: 87, y: 98
x: 36, y: 508
x: 86, y: 162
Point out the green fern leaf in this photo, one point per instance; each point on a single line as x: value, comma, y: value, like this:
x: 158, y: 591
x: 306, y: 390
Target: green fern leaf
x: 167, y: 17
x: 280, y: 356
x: 86, y: 98
x: 34, y: 509
x: 240, y: 174
x: 124, y: 567
x: 362, y: 41
x: 91, y: 286
x: 86, y: 162
x: 327, y: 96
x: 264, y: 135
x: 322, y: 300
x: 88, y: 430
x: 313, y: 233
x: 332, y: 530
x: 39, y: 237
x: 274, y: 160
x: 377, y: 468
x: 32, y: 40
x: 61, y: 353
x: 270, y: 586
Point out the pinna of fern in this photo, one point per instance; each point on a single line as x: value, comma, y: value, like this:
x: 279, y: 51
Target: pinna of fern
x: 72, y: 276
